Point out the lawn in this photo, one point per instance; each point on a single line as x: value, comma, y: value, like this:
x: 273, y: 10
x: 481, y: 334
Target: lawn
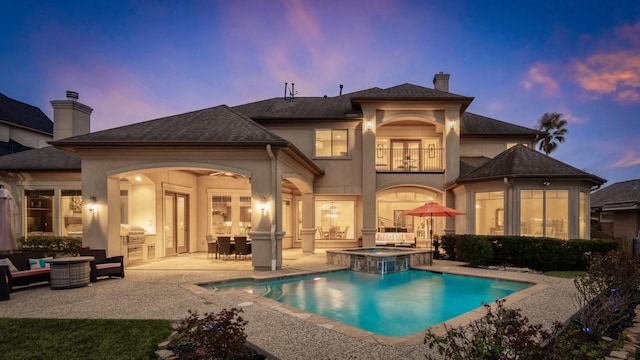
x: 81, y: 338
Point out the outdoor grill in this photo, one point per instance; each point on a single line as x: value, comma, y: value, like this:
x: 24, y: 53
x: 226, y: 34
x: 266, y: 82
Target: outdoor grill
x: 132, y: 234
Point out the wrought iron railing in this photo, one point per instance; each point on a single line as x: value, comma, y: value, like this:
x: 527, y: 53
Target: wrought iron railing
x: 409, y: 160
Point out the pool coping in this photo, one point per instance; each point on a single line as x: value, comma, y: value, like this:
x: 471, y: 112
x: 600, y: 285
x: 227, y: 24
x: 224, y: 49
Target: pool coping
x: 368, y: 336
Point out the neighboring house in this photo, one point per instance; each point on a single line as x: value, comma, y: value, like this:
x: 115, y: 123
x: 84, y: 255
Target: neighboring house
x: 616, y: 208
x: 22, y: 126
x: 304, y: 172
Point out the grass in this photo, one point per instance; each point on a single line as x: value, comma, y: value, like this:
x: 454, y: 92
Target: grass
x: 81, y: 338
x: 566, y: 274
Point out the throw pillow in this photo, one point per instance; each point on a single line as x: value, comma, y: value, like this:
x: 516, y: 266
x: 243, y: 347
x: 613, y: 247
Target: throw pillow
x: 8, y: 263
x: 37, y: 264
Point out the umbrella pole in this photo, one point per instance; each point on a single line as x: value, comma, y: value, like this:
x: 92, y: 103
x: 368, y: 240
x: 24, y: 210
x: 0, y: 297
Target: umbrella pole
x: 431, y: 232
x: 436, y: 254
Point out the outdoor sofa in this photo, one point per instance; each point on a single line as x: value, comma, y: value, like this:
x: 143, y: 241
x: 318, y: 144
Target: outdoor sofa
x: 29, y: 268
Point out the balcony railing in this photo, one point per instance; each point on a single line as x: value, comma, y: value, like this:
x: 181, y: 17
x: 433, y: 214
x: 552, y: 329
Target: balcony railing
x: 409, y: 160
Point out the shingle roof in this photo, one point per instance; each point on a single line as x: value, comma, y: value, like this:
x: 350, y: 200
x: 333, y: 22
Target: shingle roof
x: 523, y: 162
x: 478, y: 125
x: 341, y: 106
x: 218, y: 125
x: 470, y: 163
x: 620, y: 194
x: 22, y: 114
x: 44, y: 159
x: 304, y: 107
x: 408, y: 91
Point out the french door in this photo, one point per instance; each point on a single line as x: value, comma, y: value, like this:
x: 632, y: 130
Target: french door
x: 406, y: 154
x: 176, y: 223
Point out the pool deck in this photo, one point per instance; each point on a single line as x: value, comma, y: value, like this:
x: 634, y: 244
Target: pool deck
x: 168, y: 288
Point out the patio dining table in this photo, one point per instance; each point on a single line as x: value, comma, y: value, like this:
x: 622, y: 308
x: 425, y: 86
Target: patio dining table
x: 214, y: 246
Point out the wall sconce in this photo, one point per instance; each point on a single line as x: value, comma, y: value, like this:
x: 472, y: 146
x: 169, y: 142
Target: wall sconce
x: 369, y: 125
x: 263, y: 205
x: 92, y: 203
x: 546, y: 183
x: 452, y: 126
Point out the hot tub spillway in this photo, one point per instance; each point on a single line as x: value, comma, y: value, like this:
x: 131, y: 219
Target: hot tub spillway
x: 379, y: 264
x: 379, y: 261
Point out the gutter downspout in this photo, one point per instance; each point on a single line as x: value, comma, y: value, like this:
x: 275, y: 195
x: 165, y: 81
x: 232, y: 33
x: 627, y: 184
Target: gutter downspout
x: 274, y: 254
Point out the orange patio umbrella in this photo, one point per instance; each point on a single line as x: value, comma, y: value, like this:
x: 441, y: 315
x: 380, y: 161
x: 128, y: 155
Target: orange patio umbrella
x: 432, y: 209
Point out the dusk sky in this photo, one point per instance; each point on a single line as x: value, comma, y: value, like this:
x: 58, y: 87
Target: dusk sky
x: 136, y: 61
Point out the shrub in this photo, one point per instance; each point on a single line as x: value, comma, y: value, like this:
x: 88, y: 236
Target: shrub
x: 503, y: 334
x: 214, y: 336
x: 608, y: 294
x: 476, y: 250
x: 542, y: 254
x: 52, y: 245
x: 448, y: 243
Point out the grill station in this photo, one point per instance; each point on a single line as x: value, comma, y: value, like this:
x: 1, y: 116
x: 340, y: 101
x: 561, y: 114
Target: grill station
x: 133, y: 237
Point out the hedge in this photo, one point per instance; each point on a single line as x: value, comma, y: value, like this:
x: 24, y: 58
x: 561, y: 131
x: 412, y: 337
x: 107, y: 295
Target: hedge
x: 56, y: 246
x: 533, y: 252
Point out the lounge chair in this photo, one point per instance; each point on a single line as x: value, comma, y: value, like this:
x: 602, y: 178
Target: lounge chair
x: 104, y: 266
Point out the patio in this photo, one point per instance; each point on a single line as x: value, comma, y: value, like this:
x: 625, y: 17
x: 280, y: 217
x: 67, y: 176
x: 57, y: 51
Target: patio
x: 167, y: 288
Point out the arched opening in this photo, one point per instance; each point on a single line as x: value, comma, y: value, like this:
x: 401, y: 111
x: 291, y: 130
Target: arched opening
x: 392, y: 205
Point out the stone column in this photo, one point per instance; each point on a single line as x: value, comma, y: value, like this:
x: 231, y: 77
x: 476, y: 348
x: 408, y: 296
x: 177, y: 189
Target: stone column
x: 369, y: 176
x: 308, y: 230
x: 266, y: 215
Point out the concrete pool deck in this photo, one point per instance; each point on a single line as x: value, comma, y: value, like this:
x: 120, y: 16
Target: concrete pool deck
x: 167, y: 289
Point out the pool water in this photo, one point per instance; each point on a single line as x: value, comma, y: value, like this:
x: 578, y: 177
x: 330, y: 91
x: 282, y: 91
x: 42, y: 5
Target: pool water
x: 396, y: 304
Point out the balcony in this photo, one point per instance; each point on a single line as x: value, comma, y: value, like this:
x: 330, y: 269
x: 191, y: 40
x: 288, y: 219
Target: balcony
x: 418, y: 160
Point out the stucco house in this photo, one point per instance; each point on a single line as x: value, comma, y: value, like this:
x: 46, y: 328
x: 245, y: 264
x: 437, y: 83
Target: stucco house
x: 296, y: 172
x: 22, y: 126
x: 616, y: 208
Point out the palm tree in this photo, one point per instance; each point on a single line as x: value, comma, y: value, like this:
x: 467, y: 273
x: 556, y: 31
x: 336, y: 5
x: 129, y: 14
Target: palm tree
x: 554, y: 130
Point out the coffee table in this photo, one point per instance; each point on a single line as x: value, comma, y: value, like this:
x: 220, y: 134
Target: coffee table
x: 70, y: 272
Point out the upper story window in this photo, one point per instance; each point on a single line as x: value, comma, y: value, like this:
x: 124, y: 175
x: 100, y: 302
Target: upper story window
x: 331, y: 142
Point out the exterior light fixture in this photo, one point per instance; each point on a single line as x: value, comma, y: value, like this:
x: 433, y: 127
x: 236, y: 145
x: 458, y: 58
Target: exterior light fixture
x: 263, y: 205
x: 452, y: 126
x: 92, y: 203
x: 369, y: 125
x: 546, y: 183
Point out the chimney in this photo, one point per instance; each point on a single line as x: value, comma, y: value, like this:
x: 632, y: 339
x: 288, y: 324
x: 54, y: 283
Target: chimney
x: 441, y: 81
x: 70, y: 118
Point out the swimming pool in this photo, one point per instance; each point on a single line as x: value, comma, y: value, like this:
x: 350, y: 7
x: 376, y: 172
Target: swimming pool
x: 396, y: 304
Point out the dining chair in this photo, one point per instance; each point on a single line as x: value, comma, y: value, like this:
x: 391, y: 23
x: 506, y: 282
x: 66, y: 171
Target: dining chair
x: 224, y: 246
x: 343, y: 234
x: 323, y: 234
x: 242, y: 247
x: 212, y: 246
